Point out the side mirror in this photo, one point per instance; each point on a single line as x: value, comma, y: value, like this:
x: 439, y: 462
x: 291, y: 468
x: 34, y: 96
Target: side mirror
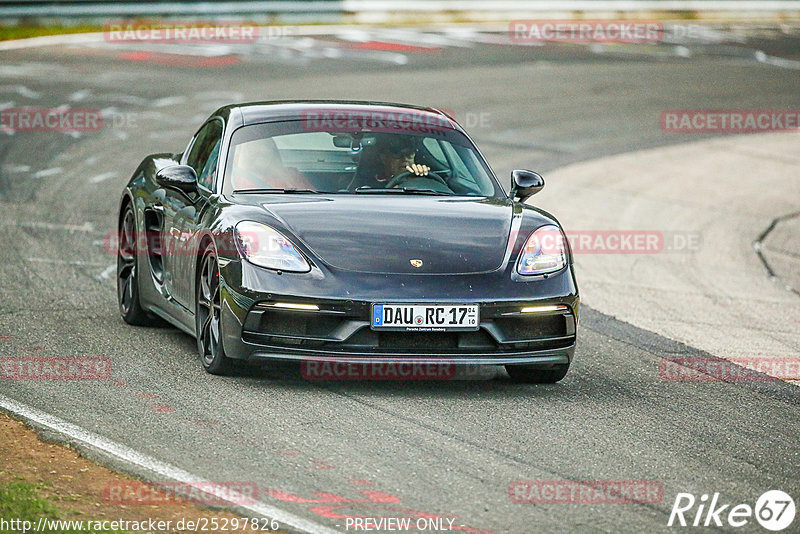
x: 525, y: 184
x: 181, y: 177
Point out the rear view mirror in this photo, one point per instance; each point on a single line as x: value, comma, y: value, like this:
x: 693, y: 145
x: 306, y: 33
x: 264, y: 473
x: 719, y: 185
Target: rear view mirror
x: 356, y: 141
x: 525, y: 184
x: 342, y: 141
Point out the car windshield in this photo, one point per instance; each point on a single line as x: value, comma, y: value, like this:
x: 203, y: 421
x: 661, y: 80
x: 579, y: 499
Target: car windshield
x: 297, y: 157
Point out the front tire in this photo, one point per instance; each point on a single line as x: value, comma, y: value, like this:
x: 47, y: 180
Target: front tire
x: 532, y: 375
x: 130, y: 307
x: 208, y: 317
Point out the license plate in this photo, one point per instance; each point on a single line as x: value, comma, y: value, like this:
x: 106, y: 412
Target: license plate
x: 425, y: 317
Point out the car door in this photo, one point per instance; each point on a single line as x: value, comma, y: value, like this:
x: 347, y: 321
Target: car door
x: 203, y: 158
x: 167, y: 206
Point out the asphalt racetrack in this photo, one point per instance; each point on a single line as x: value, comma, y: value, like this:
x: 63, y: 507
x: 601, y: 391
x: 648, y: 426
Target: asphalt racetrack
x: 321, y: 451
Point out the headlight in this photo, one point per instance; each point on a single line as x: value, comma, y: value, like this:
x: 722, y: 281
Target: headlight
x: 544, y: 252
x: 264, y: 246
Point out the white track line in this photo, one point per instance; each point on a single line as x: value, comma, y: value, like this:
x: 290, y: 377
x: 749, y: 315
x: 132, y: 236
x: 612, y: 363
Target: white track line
x: 85, y: 227
x: 157, y: 467
x: 44, y: 173
x: 52, y: 40
x: 102, y: 177
x: 107, y: 272
x: 77, y: 263
x: 761, y: 57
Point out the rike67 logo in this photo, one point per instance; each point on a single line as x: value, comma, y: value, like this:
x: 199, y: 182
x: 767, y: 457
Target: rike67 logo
x: 774, y: 511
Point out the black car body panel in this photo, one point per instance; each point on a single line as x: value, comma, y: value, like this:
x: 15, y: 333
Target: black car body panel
x: 430, y: 226
x: 359, y: 248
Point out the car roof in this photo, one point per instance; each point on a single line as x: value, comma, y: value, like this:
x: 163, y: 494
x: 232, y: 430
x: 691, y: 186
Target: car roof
x: 268, y: 111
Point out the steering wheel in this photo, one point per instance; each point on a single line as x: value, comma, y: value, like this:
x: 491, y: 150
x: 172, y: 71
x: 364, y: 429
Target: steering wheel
x: 408, y: 175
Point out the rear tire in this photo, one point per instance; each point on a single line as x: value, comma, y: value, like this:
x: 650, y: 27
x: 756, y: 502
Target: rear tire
x: 208, y: 317
x: 533, y: 375
x: 130, y: 306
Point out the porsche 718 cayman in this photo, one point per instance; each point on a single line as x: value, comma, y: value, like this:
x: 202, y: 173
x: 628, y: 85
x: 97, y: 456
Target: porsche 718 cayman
x: 346, y: 232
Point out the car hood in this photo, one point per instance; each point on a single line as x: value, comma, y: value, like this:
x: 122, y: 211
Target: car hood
x: 387, y: 234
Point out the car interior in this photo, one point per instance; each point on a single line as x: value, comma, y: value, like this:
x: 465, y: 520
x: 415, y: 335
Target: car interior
x: 336, y: 162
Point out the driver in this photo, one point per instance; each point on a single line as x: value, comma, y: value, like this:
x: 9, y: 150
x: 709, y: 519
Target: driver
x: 394, y: 155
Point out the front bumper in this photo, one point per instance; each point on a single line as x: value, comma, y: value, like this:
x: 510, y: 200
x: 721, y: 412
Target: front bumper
x: 339, y: 330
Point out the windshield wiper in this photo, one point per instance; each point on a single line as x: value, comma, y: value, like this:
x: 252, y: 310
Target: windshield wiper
x: 412, y: 190
x: 276, y: 190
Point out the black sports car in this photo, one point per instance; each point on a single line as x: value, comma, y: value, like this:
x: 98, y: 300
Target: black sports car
x: 345, y: 232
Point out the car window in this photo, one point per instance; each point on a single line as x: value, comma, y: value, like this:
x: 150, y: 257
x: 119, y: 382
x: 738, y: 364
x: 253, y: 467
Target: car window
x: 313, y: 152
x: 293, y: 155
x: 209, y: 172
x: 435, y: 149
x: 308, y: 141
x: 205, y: 152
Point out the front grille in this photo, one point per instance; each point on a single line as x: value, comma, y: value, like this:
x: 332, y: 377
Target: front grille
x: 418, y: 340
x: 288, y: 323
x: 340, y: 327
x: 527, y: 327
x: 367, y: 339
